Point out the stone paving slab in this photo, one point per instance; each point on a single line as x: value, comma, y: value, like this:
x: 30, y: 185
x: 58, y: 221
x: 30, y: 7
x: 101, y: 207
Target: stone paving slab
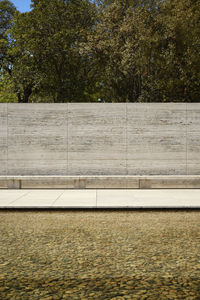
x: 101, y: 198
x: 148, y: 198
x: 73, y: 198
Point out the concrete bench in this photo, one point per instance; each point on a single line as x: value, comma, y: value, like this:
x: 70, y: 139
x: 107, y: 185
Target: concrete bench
x: 100, y: 182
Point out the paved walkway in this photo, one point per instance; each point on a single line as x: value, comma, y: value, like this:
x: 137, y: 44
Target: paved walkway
x: 171, y: 198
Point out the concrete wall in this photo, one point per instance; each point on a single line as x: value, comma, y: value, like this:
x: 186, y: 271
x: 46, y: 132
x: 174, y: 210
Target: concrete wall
x: 100, y: 139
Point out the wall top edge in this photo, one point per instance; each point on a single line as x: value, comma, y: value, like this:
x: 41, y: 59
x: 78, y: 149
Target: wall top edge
x: 105, y: 103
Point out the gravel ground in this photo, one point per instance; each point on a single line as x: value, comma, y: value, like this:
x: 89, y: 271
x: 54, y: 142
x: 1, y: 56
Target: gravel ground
x: 99, y: 255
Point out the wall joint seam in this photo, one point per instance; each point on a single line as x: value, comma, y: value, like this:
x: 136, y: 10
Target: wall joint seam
x: 7, y: 142
x: 186, y: 139
x: 67, y: 139
x: 126, y: 133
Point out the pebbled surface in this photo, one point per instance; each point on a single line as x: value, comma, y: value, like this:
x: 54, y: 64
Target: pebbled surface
x: 99, y: 255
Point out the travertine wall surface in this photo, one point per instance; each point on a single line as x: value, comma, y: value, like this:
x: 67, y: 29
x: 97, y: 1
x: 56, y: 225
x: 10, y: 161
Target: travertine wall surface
x: 100, y: 139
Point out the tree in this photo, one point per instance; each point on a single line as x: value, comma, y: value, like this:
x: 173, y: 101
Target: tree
x: 178, y: 50
x: 6, y: 90
x: 119, y: 51
x: 114, y: 46
x: 147, y: 50
x: 48, y: 38
x: 25, y: 75
x: 15, y: 73
x: 7, y: 11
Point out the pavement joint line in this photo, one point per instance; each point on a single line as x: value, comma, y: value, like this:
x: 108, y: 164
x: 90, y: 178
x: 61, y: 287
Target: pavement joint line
x: 57, y: 198
x: 134, y: 196
x: 19, y: 197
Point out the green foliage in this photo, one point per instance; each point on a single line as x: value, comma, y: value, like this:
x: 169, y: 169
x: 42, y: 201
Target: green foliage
x: 7, y: 11
x: 6, y: 90
x: 148, y: 50
x: 173, y: 52
x: 48, y: 38
x: 118, y: 51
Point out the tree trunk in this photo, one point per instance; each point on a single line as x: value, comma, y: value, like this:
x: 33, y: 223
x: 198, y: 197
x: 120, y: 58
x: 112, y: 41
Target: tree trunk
x: 27, y: 93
